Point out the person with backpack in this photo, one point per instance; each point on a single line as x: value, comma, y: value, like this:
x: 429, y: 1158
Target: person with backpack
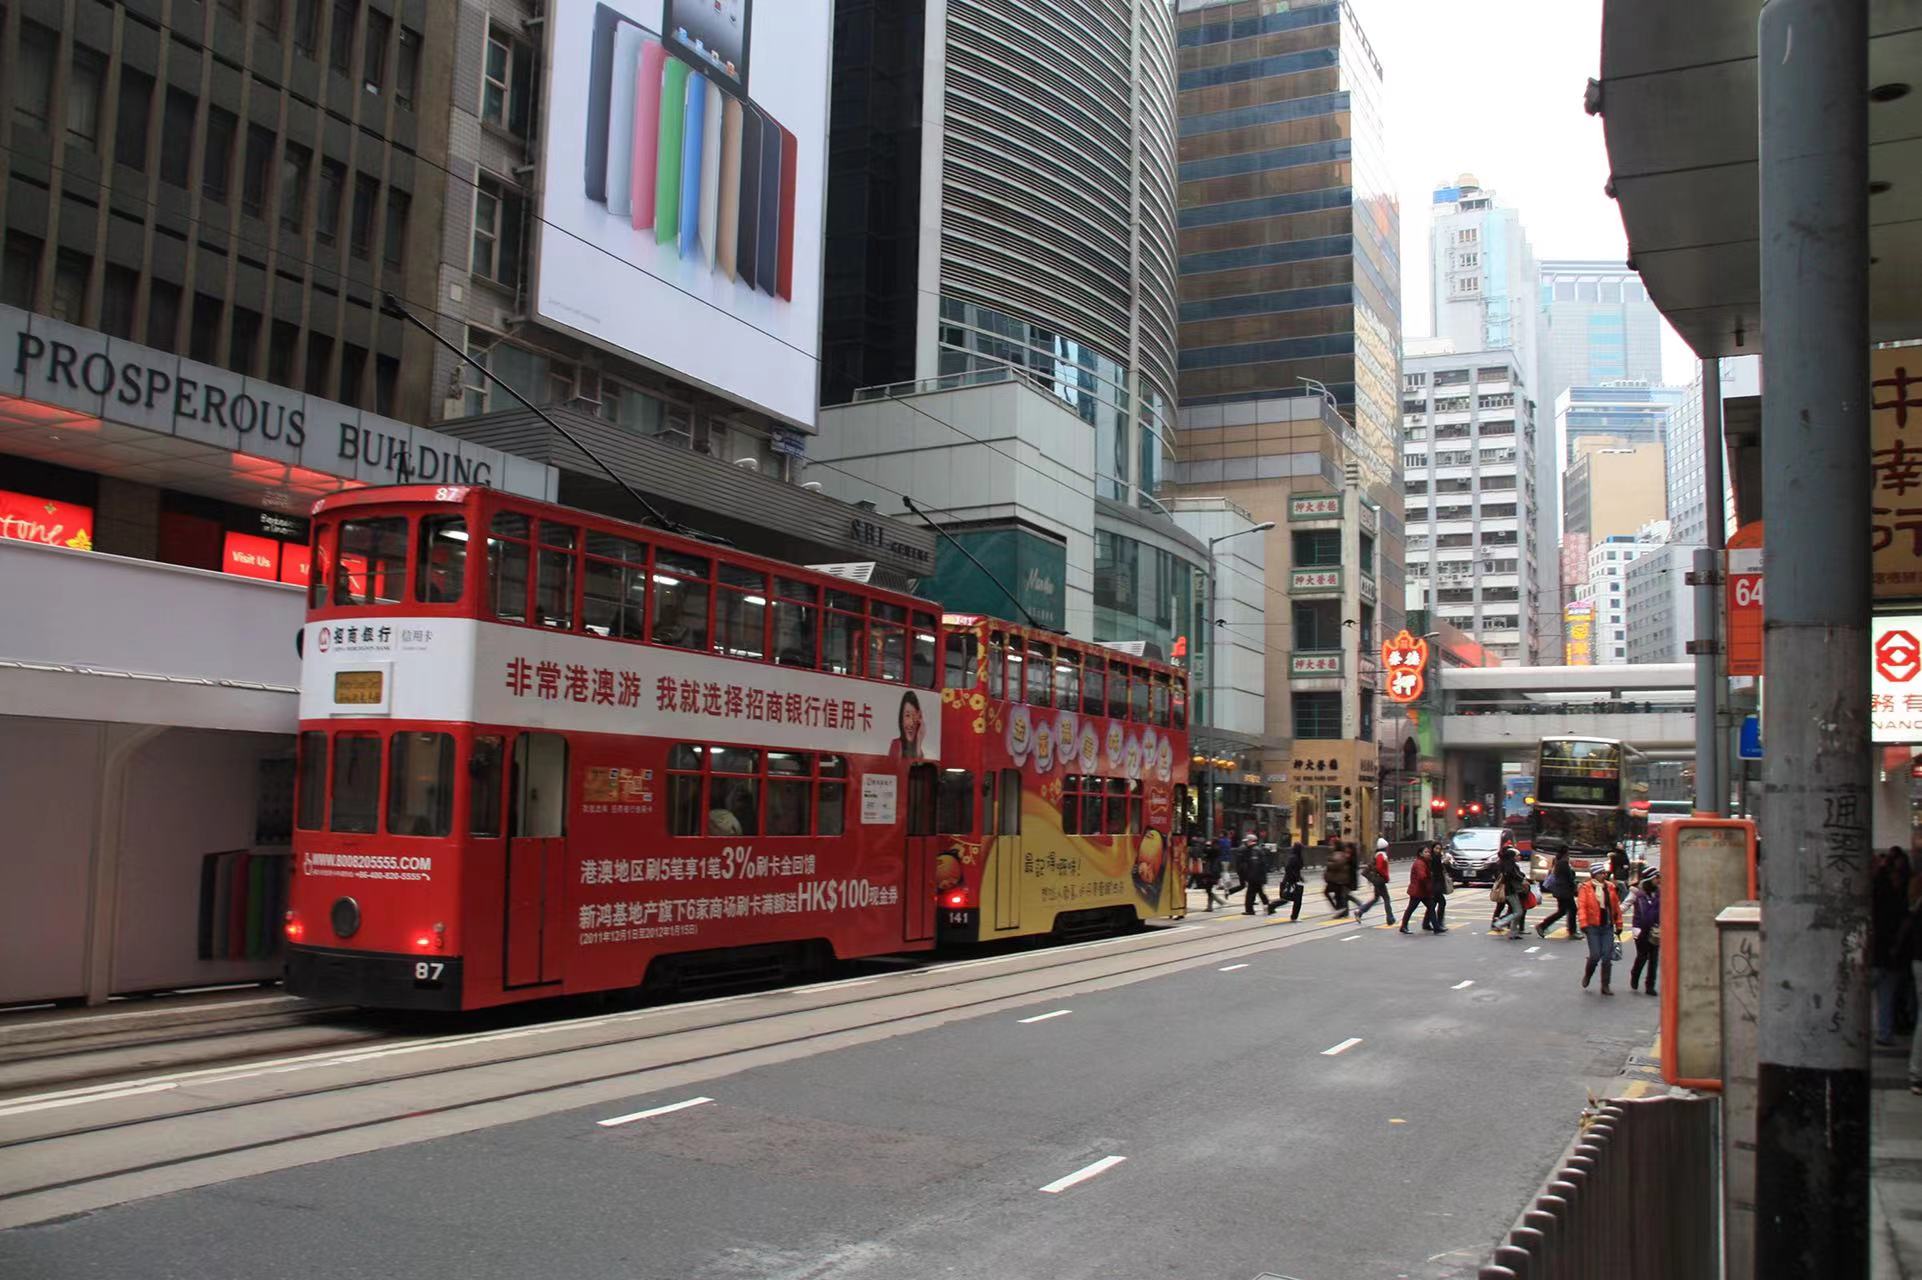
x: 1598, y: 908
x: 1645, y: 920
x: 1254, y: 875
x: 1420, y: 887
x: 1560, y: 883
x: 1377, y: 876
x: 1334, y: 880
x: 1291, y: 882
x: 1618, y: 868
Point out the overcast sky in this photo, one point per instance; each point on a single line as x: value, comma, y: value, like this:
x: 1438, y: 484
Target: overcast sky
x: 1494, y: 88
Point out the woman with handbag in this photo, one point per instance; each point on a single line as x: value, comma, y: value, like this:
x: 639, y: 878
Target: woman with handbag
x: 1511, y: 882
x: 1598, y: 909
x: 1645, y: 918
x: 1560, y: 882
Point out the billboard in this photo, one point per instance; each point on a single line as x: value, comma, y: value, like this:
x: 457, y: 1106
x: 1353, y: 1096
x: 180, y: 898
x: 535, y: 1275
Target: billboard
x: 1578, y: 633
x: 682, y: 199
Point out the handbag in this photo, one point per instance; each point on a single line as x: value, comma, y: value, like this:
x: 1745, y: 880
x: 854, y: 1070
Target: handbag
x: 1615, y: 953
x: 1495, y: 893
x: 1533, y: 900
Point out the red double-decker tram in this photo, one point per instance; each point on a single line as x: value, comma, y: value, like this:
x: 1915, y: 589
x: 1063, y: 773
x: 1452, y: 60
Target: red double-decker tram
x: 1063, y: 784
x: 543, y: 752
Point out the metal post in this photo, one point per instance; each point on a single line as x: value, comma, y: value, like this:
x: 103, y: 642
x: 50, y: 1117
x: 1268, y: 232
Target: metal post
x: 1208, y: 630
x: 1712, y: 497
x: 1708, y: 738
x: 1812, y: 1133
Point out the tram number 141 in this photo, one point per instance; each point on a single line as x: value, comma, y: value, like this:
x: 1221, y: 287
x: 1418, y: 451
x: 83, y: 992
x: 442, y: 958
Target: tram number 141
x: 427, y: 973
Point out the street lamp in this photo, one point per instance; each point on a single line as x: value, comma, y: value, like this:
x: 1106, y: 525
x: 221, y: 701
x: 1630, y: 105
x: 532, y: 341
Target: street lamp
x: 1215, y: 622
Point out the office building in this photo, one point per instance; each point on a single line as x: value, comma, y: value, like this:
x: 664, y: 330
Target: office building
x: 1482, y: 273
x: 1468, y: 476
x: 1625, y: 412
x: 1290, y: 385
x: 1613, y: 489
x: 1607, y: 591
x: 1596, y: 326
x: 1688, y: 516
x: 1659, y: 605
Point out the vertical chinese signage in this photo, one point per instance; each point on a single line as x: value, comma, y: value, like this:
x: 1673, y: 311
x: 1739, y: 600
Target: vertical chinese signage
x: 1895, y: 404
x: 1578, y: 631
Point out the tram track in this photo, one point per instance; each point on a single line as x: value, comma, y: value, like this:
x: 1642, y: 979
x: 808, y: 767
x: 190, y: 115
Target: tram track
x: 846, y: 1019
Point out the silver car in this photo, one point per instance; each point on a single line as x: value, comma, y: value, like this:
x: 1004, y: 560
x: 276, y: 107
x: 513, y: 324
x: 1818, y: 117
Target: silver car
x: 1477, y: 853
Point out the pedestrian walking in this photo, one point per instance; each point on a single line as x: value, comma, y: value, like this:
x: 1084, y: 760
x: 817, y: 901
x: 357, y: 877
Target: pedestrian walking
x: 1377, y: 876
x: 1512, y: 883
x: 1227, y: 853
x: 1645, y: 920
x: 1254, y: 876
x: 1618, y: 868
x: 1560, y: 882
x: 1598, y: 908
x: 1291, y: 882
x: 1208, y: 876
x: 1441, y: 884
x: 1420, y: 889
x: 1888, y: 908
x: 1910, y: 943
x: 1334, y: 880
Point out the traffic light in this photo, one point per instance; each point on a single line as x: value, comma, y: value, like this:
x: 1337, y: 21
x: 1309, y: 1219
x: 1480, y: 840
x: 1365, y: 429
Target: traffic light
x: 1437, y: 805
x: 1461, y: 811
x: 1475, y: 808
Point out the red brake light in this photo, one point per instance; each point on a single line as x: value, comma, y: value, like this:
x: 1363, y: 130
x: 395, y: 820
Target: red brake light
x: 424, y: 941
x: 294, y: 928
x: 956, y: 898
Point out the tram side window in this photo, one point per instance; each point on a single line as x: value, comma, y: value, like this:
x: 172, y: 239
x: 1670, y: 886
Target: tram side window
x: 680, y: 600
x: 789, y: 790
x: 996, y: 644
x: 441, y: 569
x: 1071, y: 805
x: 1016, y: 665
x: 1040, y: 673
x: 356, y: 798
x: 1008, y: 804
x: 1161, y: 700
x: 1118, y: 692
x: 832, y: 819
x: 1067, y: 680
x: 1180, y: 688
x: 1137, y: 801
x: 507, y: 558
x: 614, y: 587
x: 484, y: 787
x: 370, y: 566
x: 888, y: 642
x: 958, y: 673
x: 955, y: 816
x: 842, y: 633
x: 796, y: 616
x: 923, y: 641
x: 1117, y: 818
x: 684, y: 782
x: 312, y: 809
x: 554, y: 584
x: 321, y: 565
x: 734, y: 791
x: 740, y: 613
x: 1138, y: 695
x: 420, y: 784
x: 1090, y: 805
x: 1094, y: 684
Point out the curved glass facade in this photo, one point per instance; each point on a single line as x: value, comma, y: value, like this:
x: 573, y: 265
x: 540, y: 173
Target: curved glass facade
x: 1143, y: 592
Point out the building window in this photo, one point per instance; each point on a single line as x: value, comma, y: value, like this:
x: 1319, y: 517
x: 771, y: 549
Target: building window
x: 340, y: 50
x: 246, y: 336
x: 20, y: 269
x: 177, y: 138
x: 1317, y: 715
x: 498, y: 213
x: 353, y: 366
x: 333, y: 182
x: 294, y: 160
x: 320, y: 354
x: 70, y: 273
x: 1317, y: 548
x: 506, y: 79
x: 373, y: 59
x: 267, y: 14
x: 218, y: 158
x: 386, y: 384
x: 130, y: 122
x: 394, y: 237
x: 119, y: 297
x: 407, y: 68
x: 307, y: 27
x: 163, y: 315
x: 84, y: 81
x: 260, y: 164
x: 281, y: 350
x: 33, y: 75
x: 203, y: 340
x: 366, y: 195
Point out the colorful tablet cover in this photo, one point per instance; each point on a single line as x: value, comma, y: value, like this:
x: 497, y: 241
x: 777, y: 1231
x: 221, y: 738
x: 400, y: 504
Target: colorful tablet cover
x: 784, y: 259
x: 748, y: 240
x: 667, y: 181
x: 647, y: 131
x: 727, y: 214
x: 767, y: 253
x: 711, y: 171
x: 693, y: 139
x: 620, y: 120
x: 600, y: 80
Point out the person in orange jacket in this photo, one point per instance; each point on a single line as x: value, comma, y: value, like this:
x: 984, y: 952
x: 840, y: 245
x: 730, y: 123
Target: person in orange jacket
x: 1598, y: 909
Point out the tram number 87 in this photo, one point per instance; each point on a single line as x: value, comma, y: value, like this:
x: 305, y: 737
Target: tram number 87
x: 427, y: 973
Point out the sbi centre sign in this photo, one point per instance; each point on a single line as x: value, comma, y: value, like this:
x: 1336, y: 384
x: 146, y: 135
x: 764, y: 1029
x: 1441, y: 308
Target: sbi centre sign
x: 84, y: 370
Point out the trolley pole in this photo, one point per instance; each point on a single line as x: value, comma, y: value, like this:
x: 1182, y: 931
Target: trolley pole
x: 1812, y: 1129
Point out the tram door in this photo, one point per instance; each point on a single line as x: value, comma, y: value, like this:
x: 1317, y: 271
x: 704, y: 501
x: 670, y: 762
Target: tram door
x: 917, y: 888
x: 536, y: 850
x: 1001, y: 818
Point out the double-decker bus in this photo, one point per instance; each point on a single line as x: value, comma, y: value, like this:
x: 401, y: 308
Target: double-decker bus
x: 544, y: 752
x: 1063, y: 784
x: 1585, y: 793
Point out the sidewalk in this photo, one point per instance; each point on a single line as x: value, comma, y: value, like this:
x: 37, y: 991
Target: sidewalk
x: 1895, y: 1169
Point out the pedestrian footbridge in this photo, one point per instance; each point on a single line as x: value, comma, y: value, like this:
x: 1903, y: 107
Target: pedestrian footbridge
x: 1649, y: 705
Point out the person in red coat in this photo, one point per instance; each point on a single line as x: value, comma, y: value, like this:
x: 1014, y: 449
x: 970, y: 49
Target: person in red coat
x: 1420, y: 880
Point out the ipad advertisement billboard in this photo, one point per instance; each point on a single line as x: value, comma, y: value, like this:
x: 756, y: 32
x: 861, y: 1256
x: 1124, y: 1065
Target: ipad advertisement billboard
x: 685, y: 145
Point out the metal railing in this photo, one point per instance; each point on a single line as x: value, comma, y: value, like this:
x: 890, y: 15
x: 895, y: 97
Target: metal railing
x: 1636, y: 1197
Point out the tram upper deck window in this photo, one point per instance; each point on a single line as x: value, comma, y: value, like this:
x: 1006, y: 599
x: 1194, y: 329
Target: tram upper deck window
x: 680, y: 600
x: 797, y: 618
x: 507, y: 561
x: 961, y: 661
x: 441, y: 568
x: 370, y: 561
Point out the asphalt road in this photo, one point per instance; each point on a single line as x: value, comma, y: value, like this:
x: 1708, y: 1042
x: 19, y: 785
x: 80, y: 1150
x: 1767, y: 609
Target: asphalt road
x: 1215, y: 1129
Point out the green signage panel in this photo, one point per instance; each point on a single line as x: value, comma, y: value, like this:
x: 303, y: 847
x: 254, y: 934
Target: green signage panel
x: 1033, y: 567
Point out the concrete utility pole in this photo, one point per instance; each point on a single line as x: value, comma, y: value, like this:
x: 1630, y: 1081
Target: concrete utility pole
x: 1812, y: 1131
x: 1712, y: 770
